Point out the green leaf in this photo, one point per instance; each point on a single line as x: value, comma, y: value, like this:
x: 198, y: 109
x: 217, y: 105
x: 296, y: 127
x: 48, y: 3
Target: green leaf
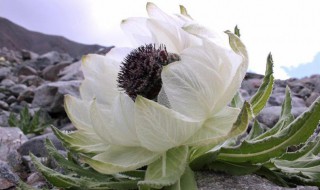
x: 186, y: 182
x: 260, y: 98
x: 262, y: 150
x: 237, y: 101
x: 65, y: 181
x: 71, y: 166
x: 272, y: 176
x: 12, y: 120
x: 233, y: 168
x: 205, y: 155
x: 167, y: 170
x: 285, y: 118
x: 237, y: 31
x: 255, y: 131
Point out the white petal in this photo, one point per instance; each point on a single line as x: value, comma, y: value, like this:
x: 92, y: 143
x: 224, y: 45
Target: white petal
x: 102, y: 120
x: 216, y: 128
x: 191, y: 86
x: 160, y: 128
x: 78, y: 112
x: 174, y: 37
x: 239, y: 60
x: 156, y: 13
x: 100, y: 82
x: 120, y: 159
x: 136, y: 28
x: 82, y: 141
x: 118, y: 53
x: 117, y: 126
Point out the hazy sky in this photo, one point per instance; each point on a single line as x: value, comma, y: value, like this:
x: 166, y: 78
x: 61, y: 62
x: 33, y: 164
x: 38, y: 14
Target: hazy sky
x: 288, y: 29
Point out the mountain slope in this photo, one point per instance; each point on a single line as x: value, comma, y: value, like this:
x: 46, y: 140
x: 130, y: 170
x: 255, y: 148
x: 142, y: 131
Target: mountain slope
x: 16, y: 37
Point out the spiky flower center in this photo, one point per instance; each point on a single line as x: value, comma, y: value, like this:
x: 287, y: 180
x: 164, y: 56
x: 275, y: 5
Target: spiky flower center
x: 140, y: 72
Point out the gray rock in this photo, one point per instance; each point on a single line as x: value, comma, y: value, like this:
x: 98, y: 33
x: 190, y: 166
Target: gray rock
x: 4, y: 105
x: 37, y: 181
x: 277, y: 100
x: 27, y: 95
x: 17, y: 89
x: 36, y: 145
x: 50, y: 96
x: 51, y: 72
x: 11, y: 99
x: 26, y: 70
x: 2, y: 96
x: 210, y: 180
x: 4, y: 72
x: 7, y: 83
x: 7, y: 178
x: 10, y: 139
x: 270, y: 115
x: 304, y: 93
x: 312, y: 98
x: 32, y: 80
x: 251, y: 85
x: 71, y: 72
x: 4, y: 115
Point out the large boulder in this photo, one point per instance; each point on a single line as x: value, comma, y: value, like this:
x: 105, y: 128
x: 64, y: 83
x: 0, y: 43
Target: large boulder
x: 50, y: 96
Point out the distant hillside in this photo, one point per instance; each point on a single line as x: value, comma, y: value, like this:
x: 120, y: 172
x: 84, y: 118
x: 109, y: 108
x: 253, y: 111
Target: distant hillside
x: 16, y: 37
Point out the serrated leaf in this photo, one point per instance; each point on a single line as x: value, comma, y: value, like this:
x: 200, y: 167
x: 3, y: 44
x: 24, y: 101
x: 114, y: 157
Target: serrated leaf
x: 272, y: 176
x: 167, y: 170
x: 64, y: 181
x: 260, y: 98
x: 255, y: 131
x: 237, y: 101
x: 233, y: 168
x: 262, y: 150
x: 200, y: 156
x: 285, y: 118
x: 70, y: 165
x: 310, y: 148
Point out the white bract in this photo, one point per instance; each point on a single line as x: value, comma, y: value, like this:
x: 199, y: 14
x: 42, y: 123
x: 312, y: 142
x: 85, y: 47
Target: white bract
x: 123, y: 134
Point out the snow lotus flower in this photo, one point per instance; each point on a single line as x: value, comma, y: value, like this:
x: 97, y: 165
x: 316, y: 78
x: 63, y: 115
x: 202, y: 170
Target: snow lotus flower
x: 135, y: 105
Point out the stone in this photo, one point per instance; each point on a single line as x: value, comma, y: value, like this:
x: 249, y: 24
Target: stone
x: 4, y: 105
x: 278, y: 98
x: 26, y: 70
x: 4, y: 115
x: 17, y: 89
x: 2, y: 96
x: 71, y: 72
x: 36, y: 180
x: 304, y: 93
x: 4, y: 72
x: 7, y: 83
x: 37, y: 147
x: 50, y: 96
x: 212, y: 180
x: 251, y: 85
x: 270, y: 115
x: 27, y: 95
x: 27, y: 55
x: 51, y: 72
x: 10, y: 139
x: 32, y: 80
x: 312, y: 98
x: 11, y: 99
x: 7, y: 178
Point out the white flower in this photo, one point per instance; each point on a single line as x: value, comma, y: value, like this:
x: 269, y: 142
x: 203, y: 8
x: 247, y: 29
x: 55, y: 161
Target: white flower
x: 125, y: 134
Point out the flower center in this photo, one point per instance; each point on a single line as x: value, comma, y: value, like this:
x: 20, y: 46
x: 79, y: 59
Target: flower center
x: 140, y: 72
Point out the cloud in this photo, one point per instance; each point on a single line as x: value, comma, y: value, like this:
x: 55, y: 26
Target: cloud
x: 305, y: 69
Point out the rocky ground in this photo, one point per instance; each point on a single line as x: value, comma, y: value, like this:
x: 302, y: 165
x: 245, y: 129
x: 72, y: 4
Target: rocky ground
x: 41, y: 81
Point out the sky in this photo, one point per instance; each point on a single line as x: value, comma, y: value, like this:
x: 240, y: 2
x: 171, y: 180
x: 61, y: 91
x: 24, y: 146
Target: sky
x: 287, y: 29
